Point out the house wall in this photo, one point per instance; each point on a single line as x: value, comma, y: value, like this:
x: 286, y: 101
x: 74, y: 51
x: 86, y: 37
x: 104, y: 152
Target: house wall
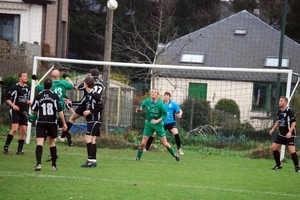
x: 30, y: 19
x: 240, y: 92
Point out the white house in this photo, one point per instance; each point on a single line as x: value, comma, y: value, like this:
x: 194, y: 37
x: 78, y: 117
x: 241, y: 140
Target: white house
x: 239, y: 41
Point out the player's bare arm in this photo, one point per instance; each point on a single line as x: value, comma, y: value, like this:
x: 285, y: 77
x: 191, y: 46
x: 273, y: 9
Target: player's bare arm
x: 274, y: 127
x: 11, y: 104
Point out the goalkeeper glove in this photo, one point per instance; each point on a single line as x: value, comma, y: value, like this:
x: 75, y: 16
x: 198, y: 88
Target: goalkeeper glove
x: 65, y: 76
x: 34, y: 77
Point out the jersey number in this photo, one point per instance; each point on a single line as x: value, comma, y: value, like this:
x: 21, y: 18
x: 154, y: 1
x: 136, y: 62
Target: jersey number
x: 58, y: 91
x: 47, y: 108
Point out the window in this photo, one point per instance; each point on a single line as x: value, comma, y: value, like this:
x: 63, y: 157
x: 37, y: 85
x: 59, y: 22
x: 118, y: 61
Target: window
x: 240, y: 31
x: 273, y: 62
x: 264, y: 96
x: 192, y: 58
x: 9, y: 27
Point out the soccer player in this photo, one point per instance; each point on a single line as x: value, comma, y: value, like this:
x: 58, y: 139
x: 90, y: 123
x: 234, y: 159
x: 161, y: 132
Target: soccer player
x: 92, y: 102
x: 286, y: 121
x: 170, y: 122
x: 46, y: 105
x: 156, y: 112
x: 98, y: 87
x: 18, y: 100
x: 59, y: 87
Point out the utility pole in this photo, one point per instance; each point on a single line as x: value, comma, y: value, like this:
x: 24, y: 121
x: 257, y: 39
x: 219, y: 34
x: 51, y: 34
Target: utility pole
x: 106, y: 68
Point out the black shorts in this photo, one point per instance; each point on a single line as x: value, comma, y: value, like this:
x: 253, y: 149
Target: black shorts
x: 18, y: 117
x: 93, y: 128
x: 79, y: 110
x: 170, y: 126
x: 43, y: 130
x: 283, y: 140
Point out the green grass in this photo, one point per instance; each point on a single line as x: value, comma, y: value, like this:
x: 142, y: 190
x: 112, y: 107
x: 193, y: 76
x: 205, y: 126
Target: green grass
x: 156, y: 176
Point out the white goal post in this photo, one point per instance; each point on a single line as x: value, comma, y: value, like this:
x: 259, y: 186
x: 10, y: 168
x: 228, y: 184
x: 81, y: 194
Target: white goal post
x: 156, y: 66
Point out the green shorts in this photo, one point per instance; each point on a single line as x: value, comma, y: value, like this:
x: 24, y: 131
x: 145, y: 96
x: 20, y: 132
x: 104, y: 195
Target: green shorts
x: 149, y: 129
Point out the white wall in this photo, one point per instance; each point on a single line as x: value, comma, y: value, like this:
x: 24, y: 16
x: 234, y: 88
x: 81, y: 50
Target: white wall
x: 30, y: 19
x: 240, y: 92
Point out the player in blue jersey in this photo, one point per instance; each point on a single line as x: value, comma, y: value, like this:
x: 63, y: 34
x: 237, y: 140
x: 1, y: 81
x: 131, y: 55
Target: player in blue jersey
x: 170, y: 122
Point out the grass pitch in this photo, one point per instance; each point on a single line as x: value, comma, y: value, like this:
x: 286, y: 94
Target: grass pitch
x: 156, y: 176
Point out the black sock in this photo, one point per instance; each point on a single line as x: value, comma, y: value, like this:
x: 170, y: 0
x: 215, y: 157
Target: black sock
x: 69, y: 137
x: 20, y: 145
x: 277, y: 157
x: 149, y: 142
x: 89, y: 147
x: 38, y: 154
x: 53, y: 153
x: 177, y: 139
x: 64, y: 133
x: 9, y: 138
x: 94, y: 151
x: 295, y: 160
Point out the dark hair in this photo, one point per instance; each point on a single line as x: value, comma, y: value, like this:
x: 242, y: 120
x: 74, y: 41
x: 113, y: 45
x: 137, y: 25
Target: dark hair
x: 90, y: 82
x: 167, y: 93
x: 20, y: 74
x: 47, y: 84
x: 95, y: 72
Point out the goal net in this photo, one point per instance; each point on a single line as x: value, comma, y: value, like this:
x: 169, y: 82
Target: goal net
x: 220, y: 97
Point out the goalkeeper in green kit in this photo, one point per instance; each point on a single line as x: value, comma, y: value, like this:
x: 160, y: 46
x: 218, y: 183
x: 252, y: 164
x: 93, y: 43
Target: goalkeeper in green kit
x: 156, y: 112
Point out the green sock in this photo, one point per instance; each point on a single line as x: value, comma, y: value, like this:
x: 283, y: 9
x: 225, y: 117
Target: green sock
x: 139, y: 154
x: 171, y: 150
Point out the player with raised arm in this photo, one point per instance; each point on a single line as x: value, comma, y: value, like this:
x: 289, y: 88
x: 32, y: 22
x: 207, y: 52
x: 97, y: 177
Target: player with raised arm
x: 46, y: 105
x: 98, y: 87
x: 170, y: 122
x: 156, y: 112
x: 18, y: 100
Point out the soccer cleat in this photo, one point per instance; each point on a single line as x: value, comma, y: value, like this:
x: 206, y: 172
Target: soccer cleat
x: 54, y: 168
x: 297, y: 170
x: 145, y: 150
x: 5, y: 150
x: 61, y: 139
x: 37, y: 167
x: 177, y: 158
x: 277, y: 167
x: 180, y: 152
x: 20, y: 152
x: 137, y: 159
x: 88, y: 164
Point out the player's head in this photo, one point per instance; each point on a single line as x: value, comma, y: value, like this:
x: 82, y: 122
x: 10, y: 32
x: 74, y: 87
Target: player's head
x: 89, y: 82
x: 23, y: 77
x: 47, y: 84
x: 283, y: 101
x: 55, y: 75
x: 167, y: 96
x: 95, y: 72
x: 154, y: 93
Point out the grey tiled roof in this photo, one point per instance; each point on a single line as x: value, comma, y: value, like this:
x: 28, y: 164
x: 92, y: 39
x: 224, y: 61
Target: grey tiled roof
x: 222, y: 48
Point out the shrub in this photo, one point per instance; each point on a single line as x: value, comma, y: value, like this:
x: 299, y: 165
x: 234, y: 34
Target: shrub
x: 4, y: 114
x: 229, y: 106
x: 196, y: 108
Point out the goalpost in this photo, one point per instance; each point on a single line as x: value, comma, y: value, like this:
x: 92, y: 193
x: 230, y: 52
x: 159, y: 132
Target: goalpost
x: 176, y: 85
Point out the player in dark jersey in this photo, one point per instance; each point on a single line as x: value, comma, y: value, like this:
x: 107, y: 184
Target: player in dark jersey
x: 98, y: 87
x: 18, y: 100
x: 46, y: 105
x: 286, y: 121
x: 92, y: 109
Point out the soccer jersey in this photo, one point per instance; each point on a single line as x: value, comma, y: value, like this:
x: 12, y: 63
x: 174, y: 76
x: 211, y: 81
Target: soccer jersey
x: 19, y: 95
x: 172, y: 109
x: 154, y: 110
x: 285, y: 118
x: 92, y: 102
x: 59, y: 87
x: 99, y: 86
x: 47, y: 105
